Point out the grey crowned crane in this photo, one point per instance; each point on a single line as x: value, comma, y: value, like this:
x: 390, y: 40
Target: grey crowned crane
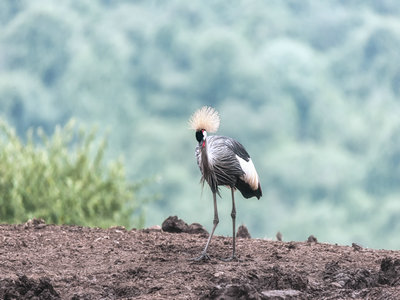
x: 222, y: 161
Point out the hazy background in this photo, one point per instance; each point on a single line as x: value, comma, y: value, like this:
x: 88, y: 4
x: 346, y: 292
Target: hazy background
x: 310, y: 88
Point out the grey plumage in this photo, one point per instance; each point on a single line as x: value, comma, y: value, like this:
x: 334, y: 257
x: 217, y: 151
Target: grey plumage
x: 219, y: 165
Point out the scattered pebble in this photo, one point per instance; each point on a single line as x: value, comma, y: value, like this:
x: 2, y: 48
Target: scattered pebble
x: 281, y: 294
x: 357, y: 247
x: 243, y: 232
x: 312, y: 239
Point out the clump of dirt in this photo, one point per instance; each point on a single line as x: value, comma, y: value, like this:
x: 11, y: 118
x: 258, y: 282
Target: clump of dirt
x: 41, y: 261
x: 390, y: 272
x: 27, y: 288
x: 176, y: 225
x: 312, y: 239
x: 349, y: 278
x: 233, y: 291
x: 243, y: 232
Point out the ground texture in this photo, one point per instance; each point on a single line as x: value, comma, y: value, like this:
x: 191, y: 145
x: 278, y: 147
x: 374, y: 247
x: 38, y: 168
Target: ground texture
x: 39, y: 261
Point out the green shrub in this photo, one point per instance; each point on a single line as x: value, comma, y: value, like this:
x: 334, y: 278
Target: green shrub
x: 63, y: 179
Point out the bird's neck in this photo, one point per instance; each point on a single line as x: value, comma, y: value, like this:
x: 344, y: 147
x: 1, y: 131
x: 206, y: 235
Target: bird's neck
x: 203, y: 145
x: 207, y: 168
x: 203, y: 152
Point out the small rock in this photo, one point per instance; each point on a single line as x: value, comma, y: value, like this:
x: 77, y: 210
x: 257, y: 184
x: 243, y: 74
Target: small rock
x: 336, y: 285
x: 291, y: 245
x: 243, y: 232
x: 356, y: 247
x: 174, y: 225
x: 281, y: 294
x: 196, y: 228
x: 118, y: 228
x: 279, y: 236
x: 236, y: 291
x: 312, y: 239
x: 218, y: 274
x: 154, y: 228
x: 35, y: 223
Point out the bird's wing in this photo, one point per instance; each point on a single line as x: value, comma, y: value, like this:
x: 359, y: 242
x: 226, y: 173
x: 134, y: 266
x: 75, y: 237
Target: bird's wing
x: 250, y: 176
x: 237, y: 148
x: 223, y: 162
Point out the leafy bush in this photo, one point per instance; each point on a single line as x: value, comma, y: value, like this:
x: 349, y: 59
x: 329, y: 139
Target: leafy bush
x: 63, y: 179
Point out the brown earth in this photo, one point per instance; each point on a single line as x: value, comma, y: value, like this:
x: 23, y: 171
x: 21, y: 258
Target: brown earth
x: 39, y: 261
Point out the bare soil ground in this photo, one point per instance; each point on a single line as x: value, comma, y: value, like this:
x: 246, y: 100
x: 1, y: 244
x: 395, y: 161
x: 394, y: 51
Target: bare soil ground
x: 39, y: 261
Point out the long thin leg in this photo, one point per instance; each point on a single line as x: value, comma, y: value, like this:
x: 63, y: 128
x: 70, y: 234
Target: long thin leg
x: 204, y: 254
x: 233, y: 215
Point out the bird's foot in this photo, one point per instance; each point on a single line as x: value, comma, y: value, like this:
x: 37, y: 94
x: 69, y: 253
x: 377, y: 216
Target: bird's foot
x: 231, y: 258
x: 203, y: 257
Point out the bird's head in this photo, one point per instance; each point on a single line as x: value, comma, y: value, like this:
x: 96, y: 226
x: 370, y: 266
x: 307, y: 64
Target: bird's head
x: 205, y: 119
x: 201, y: 136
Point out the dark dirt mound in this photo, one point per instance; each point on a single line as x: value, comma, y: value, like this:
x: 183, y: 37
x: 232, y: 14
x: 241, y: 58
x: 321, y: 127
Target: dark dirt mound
x: 24, y: 288
x: 39, y: 261
x: 176, y: 225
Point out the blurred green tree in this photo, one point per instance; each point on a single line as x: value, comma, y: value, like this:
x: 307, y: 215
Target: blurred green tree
x: 64, y: 180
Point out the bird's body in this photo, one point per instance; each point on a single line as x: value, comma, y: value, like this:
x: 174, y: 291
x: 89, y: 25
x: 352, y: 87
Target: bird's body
x: 223, y: 162
x: 226, y: 162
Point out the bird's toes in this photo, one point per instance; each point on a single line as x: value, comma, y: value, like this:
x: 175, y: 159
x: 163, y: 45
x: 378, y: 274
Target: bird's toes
x: 230, y: 258
x: 202, y: 257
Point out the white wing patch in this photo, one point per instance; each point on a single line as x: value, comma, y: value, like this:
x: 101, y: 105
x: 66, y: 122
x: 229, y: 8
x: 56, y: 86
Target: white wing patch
x: 250, y: 174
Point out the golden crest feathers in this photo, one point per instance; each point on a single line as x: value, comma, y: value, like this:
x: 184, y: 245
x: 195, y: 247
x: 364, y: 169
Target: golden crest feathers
x: 205, y: 118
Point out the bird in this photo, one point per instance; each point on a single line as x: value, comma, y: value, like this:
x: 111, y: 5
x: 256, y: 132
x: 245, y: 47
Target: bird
x: 223, y: 161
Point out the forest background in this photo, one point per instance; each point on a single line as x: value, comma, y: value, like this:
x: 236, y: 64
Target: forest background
x: 310, y: 88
